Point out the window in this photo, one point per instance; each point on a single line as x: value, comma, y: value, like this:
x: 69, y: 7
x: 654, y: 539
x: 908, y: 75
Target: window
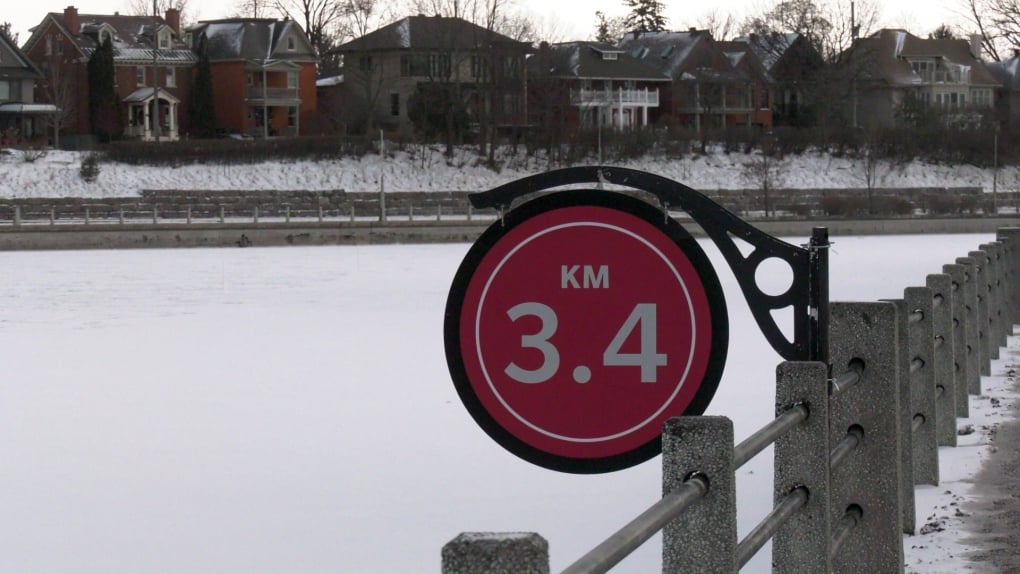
x: 5, y: 90
x: 292, y: 116
x: 365, y: 63
x: 291, y: 44
x: 439, y: 65
x: 479, y: 67
x: 140, y: 76
x: 171, y: 78
x: 511, y: 67
x: 412, y: 65
x: 250, y: 77
x: 292, y: 80
x: 49, y: 45
x: 164, y: 40
x: 394, y: 104
x: 981, y: 98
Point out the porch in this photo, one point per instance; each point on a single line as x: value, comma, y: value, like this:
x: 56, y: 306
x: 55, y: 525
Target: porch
x: 144, y: 106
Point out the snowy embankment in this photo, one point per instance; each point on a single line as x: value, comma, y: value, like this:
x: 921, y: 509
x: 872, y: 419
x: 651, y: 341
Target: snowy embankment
x: 56, y: 174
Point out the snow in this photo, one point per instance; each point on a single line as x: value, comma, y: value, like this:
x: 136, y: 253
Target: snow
x: 290, y: 409
x: 425, y: 168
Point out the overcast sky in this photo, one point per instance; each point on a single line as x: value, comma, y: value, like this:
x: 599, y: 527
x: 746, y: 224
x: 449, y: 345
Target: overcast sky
x: 562, y: 20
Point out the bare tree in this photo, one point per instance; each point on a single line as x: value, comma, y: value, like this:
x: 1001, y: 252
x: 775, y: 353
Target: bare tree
x: 998, y: 23
x: 59, y: 91
x: 254, y: 8
x: 722, y: 26
x: 608, y: 29
x: 829, y: 25
x: 766, y: 172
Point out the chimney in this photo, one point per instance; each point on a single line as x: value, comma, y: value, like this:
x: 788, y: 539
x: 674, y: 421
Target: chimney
x: 71, y: 20
x: 173, y: 19
x: 975, y: 45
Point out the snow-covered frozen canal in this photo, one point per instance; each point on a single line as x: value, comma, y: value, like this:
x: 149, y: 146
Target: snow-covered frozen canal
x: 290, y: 410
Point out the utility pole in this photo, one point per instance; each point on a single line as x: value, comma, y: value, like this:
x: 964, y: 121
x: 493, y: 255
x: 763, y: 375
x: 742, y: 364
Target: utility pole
x: 155, y: 71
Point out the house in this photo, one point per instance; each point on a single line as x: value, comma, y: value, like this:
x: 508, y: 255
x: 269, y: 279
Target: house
x: 900, y: 77
x: 263, y: 74
x: 152, y: 66
x: 591, y: 84
x: 795, y: 68
x: 421, y: 64
x: 1007, y: 72
x: 710, y: 89
x: 21, y: 118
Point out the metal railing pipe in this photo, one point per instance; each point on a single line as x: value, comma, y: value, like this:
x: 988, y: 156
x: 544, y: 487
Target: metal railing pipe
x: 847, y: 523
x: 843, y: 382
x: 846, y: 446
x: 916, y: 364
x: 767, y: 528
x: 768, y: 434
x: 618, y: 546
x: 915, y: 316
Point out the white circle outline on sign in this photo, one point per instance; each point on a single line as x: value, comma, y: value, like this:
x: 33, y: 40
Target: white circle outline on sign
x: 485, y: 371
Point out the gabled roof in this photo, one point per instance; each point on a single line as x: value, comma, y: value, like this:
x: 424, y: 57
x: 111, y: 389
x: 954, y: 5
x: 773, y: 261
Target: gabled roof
x: 252, y: 39
x: 740, y: 55
x: 666, y: 50
x: 588, y: 60
x: 134, y: 37
x: 672, y: 53
x: 888, y: 54
x: 13, y: 62
x: 770, y: 48
x: 429, y: 33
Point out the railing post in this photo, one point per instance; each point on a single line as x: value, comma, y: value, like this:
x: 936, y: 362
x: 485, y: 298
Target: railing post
x: 972, y: 324
x: 869, y: 478
x: 86, y: 215
x: 704, y: 539
x: 908, y: 517
x: 222, y: 214
x: 961, y: 354
x: 496, y: 553
x: 255, y: 214
x: 921, y: 382
x: 996, y: 315
x: 188, y: 215
x: 17, y: 216
x: 320, y: 214
x: 155, y: 214
x: 984, y: 332
x: 941, y: 286
x: 802, y: 459
x: 1010, y: 236
x: 120, y: 215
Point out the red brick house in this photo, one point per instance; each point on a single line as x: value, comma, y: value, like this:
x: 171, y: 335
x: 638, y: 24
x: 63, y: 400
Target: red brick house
x: 153, y: 68
x: 710, y: 88
x: 261, y: 68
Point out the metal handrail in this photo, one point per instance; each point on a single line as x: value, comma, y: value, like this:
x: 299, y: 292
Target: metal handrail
x: 762, y: 533
x: 846, y: 446
x: 768, y: 434
x: 851, y: 518
x: 618, y: 546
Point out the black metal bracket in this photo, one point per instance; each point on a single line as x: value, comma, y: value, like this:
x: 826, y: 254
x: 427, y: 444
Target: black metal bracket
x: 807, y: 294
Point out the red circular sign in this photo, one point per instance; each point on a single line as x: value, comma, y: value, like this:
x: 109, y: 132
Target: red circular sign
x: 581, y: 326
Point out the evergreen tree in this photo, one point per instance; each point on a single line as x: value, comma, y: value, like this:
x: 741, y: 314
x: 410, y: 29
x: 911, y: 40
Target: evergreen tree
x: 608, y: 30
x: 5, y: 29
x: 645, y: 16
x: 104, y: 108
x: 943, y: 32
x: 202, y: 107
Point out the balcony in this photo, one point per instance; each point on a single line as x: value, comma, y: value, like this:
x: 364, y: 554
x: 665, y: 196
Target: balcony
x: 951, y: 76
x: 258, y: 95
x: 619, y: 96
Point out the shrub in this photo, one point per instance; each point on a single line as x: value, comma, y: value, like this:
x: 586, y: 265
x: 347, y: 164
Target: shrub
x: 89, y: 170
x: 843, y: 206
x: 33, y: 153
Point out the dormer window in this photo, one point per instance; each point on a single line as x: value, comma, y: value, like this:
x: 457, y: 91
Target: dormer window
x: 105, y: 32
x: 291, y: 43
x: 164, y: 39
x: 609, y: 55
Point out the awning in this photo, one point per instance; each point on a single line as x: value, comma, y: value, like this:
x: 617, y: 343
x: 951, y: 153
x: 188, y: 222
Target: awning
x: 30, y: 109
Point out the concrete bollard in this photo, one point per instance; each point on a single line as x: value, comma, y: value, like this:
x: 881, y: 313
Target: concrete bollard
x: 802, y: 459
x: 704, y: 538
x: 921, y: 383
x: 941, y: 286
x: 1010, y: 236
x: 908, y: 518
x: 992, y: 301
x: 496, y: 553
x: 981, y: 290
x: 958, y: 275
x: 996, y: 312
x: 972, y: 325
x: 869, y: 477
